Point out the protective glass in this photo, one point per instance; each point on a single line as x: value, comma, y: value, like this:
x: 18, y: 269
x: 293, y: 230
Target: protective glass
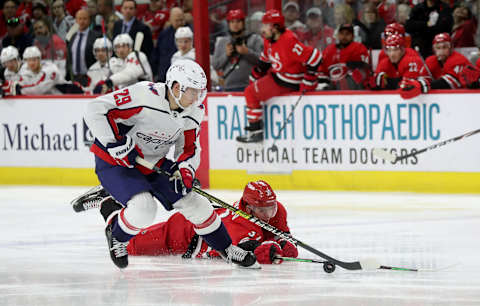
x: 195, y: 94
x: 264, y: 213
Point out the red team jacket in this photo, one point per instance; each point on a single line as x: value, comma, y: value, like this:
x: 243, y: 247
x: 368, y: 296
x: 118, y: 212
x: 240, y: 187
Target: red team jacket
x: 289, y: 58
x: 175, y: 236
x: 336, y: 60
x: 450, y: 70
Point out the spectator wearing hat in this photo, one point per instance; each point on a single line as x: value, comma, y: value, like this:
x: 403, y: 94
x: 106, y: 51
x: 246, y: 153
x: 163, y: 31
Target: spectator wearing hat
x: 291, y: 12
x: 255, y: 22
x: 16, y: 35
x: 317, y: 34
x: 236, y: 54
x: 345, y: 64
x: 326, y: 8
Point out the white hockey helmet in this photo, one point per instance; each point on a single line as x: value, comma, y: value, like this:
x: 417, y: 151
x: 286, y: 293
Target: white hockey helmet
x: 183, y: 32
x: 188, y: 74
x: 123, y: 39
x: 9, y: 53
x: 101, y: 43
x: 32, y: 52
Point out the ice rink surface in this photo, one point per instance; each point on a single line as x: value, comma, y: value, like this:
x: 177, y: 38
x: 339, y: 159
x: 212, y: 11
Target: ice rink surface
x: 51, y: 255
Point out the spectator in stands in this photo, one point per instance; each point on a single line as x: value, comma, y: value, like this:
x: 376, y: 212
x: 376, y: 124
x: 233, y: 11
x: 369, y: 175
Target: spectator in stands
x: 12, y: 63
x: 464, y: 27
x: 9, y: 11
x: 345, y: 65
x: 399, y: 71
x: 343, y: 14
x: 155, y: 17
x: 166, y: 44
x: 327, y: 12
x: 73, y: 6
x: 184, y: 42
x: 447, y: 65
x: 129, y: 67
x: 39, y: 11
x: 291, y: 12
x: 131, y: 25
x: 16, y: 35
x: 52, y: 47
x: 92, y: 11
x: 317, y: 35
x: 62, y: 22
x: 107, y: 12
x: 80, y: 49
x: 371, y: 27
x: 403, y: 12
x: 426, y: 20
x: 255, y: 23
x: 100, y: 70
x: 236, y: 54
x: 385, y: 9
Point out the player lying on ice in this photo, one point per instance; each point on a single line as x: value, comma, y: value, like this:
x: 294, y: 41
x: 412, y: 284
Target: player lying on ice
x: 177, y: 235
x: 145, y: 120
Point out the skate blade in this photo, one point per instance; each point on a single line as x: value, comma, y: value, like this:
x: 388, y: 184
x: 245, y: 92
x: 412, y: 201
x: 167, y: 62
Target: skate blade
x: 255, y: 266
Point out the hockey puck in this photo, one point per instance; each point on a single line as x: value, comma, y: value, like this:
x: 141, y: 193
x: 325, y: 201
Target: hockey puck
x: 329, y: 267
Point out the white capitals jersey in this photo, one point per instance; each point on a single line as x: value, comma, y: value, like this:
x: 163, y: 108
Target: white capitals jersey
x: 143, y: 112
x: 129, y: 71
x: 96, y: 73
x: 14, y: 76
x: 43, y: 82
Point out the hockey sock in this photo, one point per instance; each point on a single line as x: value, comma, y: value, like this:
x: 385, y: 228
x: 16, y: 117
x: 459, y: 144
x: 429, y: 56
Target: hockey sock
x: 219, y: 239
x: 118, y: 232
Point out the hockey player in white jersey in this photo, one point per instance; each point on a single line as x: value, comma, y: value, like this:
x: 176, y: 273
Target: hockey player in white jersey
x: 128, y: 68
x: 100, y: 70
x: 145, y: 120
x: 12, y: 63
x: 184, y: 42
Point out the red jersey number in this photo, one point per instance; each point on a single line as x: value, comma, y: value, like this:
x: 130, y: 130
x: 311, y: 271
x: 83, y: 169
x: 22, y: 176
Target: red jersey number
x: 122, y: 97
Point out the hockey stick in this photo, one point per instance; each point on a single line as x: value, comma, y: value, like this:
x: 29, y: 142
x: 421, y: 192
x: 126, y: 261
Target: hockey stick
x: 274, y: 147
x: 104, y: 32
x: 384, y: 154
x: 138, y: 41
x: 382, y: 267
x: 356, y: 265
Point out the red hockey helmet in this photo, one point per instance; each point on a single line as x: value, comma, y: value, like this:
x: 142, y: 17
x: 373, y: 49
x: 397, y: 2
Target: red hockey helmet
x: 260, y: 199
x: 394, y: 28
x: 235, y: 14
x: 442, y: 37
x: 394, y: 41
x: 275, y: 17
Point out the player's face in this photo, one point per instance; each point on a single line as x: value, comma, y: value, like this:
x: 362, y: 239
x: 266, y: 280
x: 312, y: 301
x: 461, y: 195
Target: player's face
x: 184, y: 44
x: 442, y: 51
x: 34, y: 64
x: 190, y: 96
x: 267, y: 30
x: 12, y: 65
x: 263, y: 213
x: 122, y: 50
x: 101, y: 55
x: 395, y: 54
x: 235, y: 25
x: 345, y: 37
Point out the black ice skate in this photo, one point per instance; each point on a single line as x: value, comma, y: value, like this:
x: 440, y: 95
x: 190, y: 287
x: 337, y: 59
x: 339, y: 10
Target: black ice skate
x: 240, y: 257
x: 254, y: 133
x: 118, y: 250
x: 90, y: 199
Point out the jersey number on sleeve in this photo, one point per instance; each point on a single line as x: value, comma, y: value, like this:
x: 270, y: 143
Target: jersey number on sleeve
x: 122, y: 97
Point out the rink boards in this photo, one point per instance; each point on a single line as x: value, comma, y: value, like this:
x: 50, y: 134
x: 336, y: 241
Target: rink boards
x: 326, y: 145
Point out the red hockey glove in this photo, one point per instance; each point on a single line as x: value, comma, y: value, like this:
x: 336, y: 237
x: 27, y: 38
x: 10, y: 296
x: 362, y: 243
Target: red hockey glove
x: 288, y: 248
x: 11, y: 88
x: 378, y: 81
x: 309, y: 82
x: 103, y: 87
x: 256, y: 74
x: 266, y: 253
x: 123, y: 152
x: 182, y: 179
x: 470, y: 77
x: 411, y: 88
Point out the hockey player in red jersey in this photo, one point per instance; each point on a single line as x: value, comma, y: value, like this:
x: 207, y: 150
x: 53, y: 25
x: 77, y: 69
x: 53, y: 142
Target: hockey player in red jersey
x: 345, y: 64
x: 285, y: 65
x: 396, y: 29
x: 446, y: 65
x: 177, y: 236
x: 400, y: 71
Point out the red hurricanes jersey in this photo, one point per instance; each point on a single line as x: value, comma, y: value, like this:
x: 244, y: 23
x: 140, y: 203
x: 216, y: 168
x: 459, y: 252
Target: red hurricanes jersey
x: 450, y: 70
x: 334, y: 64
x: 289, y: 57
x: 410, y: 67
